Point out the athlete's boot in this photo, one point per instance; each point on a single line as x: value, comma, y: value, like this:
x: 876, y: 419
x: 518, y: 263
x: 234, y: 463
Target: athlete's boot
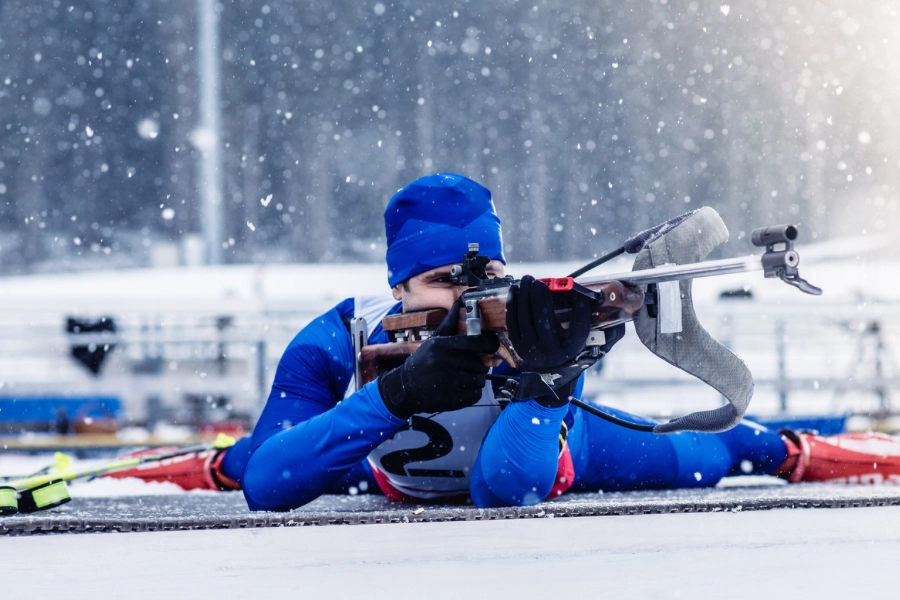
x: 192, y: 471
x: 846, y: 458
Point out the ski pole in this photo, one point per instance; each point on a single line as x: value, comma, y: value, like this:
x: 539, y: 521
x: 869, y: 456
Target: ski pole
x: 47, y: 488
x: 60, y: 462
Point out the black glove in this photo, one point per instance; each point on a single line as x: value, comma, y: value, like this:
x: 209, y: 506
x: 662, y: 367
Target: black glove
x: 540, y: 340
x: 536, y: 333
x: 445, y: 373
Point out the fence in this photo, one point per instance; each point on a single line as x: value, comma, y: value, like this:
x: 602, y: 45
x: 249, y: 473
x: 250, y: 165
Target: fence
x: 194, y: 366
x: 806, y: 359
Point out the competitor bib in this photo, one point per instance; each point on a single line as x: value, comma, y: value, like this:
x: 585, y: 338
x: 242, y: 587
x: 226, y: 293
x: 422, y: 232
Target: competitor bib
x: 433, y: 456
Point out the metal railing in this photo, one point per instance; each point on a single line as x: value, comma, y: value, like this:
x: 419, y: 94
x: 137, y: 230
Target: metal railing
x: 190, y: 366
x: 831, y: 358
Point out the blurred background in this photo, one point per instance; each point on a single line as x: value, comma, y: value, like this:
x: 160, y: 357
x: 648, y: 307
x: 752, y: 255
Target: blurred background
x: 185, y: 184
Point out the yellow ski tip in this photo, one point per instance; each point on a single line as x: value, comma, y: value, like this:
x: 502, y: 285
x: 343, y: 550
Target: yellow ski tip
x: 61, y: 462
x: 223, y: 440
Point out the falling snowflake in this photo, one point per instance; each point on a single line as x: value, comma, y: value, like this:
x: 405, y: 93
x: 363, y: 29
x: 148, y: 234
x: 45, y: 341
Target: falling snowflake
x: 148, y: 128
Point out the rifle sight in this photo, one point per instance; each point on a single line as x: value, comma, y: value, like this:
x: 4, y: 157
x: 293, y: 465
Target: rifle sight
x: 777, y: 234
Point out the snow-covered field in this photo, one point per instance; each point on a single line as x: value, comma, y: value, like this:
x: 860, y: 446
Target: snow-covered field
x: 816, y: 554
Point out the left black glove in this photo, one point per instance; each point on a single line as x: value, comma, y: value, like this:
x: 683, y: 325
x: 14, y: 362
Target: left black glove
x: 445, y: 373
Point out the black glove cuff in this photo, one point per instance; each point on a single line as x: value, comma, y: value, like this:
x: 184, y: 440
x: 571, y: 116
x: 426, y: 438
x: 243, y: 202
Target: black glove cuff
x: 393, y: 393
x: 532, y: 386
x: 565, y: 391
x: 551, y: 401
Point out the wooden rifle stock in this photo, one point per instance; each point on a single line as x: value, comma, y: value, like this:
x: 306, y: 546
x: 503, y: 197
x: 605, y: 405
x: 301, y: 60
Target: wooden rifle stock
x: 407, y: 331
x: 618, y: 302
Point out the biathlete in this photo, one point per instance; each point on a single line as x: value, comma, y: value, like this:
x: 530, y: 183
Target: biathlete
x: 432, y: 429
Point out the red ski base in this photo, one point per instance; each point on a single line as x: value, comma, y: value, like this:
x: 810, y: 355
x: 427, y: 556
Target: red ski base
x: 191, y: 471
x: 862, y: 458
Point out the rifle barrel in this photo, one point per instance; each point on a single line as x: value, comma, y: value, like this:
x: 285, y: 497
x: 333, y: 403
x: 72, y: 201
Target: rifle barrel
x: 709, y: 268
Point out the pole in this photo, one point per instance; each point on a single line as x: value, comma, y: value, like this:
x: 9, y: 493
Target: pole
x: 781, y: 345
x: 207, y: 138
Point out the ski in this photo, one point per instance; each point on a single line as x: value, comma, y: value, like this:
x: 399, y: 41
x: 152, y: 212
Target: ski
x: 47, y: 488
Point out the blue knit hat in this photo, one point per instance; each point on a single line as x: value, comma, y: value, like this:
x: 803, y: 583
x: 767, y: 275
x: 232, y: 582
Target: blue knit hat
x: 431, y: 222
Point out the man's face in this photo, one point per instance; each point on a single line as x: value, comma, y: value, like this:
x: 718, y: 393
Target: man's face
x: 433, y: 289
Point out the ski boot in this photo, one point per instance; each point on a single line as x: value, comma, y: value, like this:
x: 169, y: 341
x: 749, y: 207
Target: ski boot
x: 865, y: 458
x: 200, y: 470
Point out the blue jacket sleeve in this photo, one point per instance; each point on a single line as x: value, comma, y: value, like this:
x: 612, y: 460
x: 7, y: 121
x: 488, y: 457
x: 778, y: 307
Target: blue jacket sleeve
x: 516, y: 465
x: 305, y: 440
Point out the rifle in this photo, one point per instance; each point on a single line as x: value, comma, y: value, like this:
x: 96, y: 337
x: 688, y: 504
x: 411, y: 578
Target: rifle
x: 656, y: 295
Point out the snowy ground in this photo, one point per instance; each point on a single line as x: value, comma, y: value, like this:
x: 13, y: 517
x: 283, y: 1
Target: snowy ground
x: 819, y: 554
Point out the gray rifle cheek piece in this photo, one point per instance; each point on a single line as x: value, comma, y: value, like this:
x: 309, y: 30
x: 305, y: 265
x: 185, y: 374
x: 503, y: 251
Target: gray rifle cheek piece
x: 675, y: 334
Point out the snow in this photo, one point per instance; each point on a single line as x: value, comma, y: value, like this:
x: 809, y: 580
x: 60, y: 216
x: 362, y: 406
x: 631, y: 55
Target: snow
x: 821, y: 554
x: 112, y: 488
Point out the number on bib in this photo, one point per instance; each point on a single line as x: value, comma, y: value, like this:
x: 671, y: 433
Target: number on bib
x: 440, y: 443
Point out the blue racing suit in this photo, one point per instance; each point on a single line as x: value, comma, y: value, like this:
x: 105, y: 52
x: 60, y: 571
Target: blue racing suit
x: 318, y: 434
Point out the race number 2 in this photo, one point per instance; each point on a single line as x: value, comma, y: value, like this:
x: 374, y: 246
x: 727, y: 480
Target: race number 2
x: 440, y: 443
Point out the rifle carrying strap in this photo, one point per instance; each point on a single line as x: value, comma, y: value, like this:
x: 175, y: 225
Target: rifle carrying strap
x: 675, y: 334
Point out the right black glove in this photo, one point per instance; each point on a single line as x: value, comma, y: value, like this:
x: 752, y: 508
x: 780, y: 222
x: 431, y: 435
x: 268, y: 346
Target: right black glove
x: 540, y: 339
x: 444, y: 374
x: 536, y: 333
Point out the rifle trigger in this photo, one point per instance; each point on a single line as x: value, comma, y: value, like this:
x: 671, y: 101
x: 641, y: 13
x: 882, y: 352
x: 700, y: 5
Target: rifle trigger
x: 509, y: 389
